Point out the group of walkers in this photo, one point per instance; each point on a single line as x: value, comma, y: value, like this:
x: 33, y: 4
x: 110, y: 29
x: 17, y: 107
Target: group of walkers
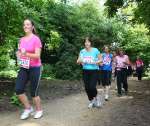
x: 95, y: 65
x: 98, y: 68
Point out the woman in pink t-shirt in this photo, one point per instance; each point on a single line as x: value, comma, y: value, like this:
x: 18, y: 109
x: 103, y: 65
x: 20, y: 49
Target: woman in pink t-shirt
x: 122, y: 62
x: 28, y: 56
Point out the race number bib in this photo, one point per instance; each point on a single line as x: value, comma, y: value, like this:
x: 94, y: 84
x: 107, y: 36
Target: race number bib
x: 88, y: 59
x: 139, y: 65
x: 120, y: 64
x: 24, y: 62
x: 107, y: 61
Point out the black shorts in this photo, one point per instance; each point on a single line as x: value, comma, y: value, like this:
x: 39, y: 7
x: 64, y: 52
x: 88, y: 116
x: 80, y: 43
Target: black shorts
x: 106, y: 77
x: 24, y: 75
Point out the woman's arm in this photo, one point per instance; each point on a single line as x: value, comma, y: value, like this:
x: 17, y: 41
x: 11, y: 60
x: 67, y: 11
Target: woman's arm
x: 79, y: 61
x: 127, y: 62
x: 99, y: 62
x: 35, y: 55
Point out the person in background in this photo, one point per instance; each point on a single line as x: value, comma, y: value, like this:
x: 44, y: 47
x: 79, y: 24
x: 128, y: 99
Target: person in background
x: 114, y: 66
x: 90, y: 58
x: 107, y: 59
x: 121, y: 61
x: 129, y: 69
x: 139, y: 68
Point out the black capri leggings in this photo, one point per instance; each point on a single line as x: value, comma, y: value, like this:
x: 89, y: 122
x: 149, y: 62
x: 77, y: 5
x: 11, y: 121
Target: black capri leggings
x: 122, y: 80
x: 33, y: 75
x: 90, y: 78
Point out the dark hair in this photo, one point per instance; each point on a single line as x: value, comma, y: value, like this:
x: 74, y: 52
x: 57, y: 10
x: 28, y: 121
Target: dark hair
x: 105, y: 47
x: 34, y: 30
x: 118, y: 51
x: 89, y: 39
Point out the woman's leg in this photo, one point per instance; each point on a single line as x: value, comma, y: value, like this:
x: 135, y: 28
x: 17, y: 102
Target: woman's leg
x: 37, y: 102
x: 119, y: 81
x: 24, y: 100
x: 22, y: 79
x: 140, y: 74
x: 93, y: 83
x: 99, y: 77
x: 125, y: 83
x: 86, y: 80
x: 107, y: 84
x: 35, y: 76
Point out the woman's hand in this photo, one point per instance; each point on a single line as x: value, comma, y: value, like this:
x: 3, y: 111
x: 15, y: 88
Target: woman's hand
x: 18, y: 54
x: 79, y: 61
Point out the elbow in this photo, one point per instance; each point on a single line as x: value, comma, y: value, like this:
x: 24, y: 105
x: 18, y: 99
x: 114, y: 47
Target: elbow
x: 38, y: 56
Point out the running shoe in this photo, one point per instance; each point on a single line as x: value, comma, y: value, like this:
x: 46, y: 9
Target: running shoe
x: 119, y: 95
x: 106, y: 97
x: 26, y: 113
x: 38, y: 114
x: 99, y: 102
x: 126, y: 93
x: 92, y: 103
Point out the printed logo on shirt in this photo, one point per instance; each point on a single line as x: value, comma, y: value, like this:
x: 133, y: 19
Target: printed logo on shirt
x: 107, y: 60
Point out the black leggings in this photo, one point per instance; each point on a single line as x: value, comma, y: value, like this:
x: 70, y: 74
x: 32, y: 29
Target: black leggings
x: 90, y: 78
x: 122, y: 79
x: 33, y: 75
x: 139, y: 72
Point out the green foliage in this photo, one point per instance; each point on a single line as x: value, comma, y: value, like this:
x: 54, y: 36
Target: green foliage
x: 112, y: 6
x: 10, y: 71
x: 142, y: 14
x: 48, y: 71
x: 63, y: 27
x: 14, y: 100
x: 4, y: 57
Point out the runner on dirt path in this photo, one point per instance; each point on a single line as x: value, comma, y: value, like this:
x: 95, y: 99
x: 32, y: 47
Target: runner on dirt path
x: 106, y: 65
x: 28, y: 55
x: 139, y: 68
x: 90, y: 59
x: 122, y: 61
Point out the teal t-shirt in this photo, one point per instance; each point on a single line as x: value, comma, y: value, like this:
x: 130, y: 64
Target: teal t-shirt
x: 88, y: 58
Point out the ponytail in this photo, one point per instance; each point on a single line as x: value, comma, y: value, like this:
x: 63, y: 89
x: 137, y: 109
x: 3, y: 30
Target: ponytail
x: 34, y: 30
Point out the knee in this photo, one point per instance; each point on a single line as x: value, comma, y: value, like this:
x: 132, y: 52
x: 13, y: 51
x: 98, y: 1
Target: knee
x: 19, y: 91
x: 92, y: 88
x: 34, y: 94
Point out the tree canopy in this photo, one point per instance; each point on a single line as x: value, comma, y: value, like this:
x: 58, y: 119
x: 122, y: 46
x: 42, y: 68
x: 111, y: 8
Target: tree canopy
x: 62, y: 28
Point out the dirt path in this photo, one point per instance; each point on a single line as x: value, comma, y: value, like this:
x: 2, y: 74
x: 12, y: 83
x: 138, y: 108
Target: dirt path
x: 72, y: 110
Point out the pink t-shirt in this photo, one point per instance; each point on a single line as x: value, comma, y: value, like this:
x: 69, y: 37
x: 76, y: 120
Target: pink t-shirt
x: 120, y: 61
x: 29, y: 46
x: 139, y: 63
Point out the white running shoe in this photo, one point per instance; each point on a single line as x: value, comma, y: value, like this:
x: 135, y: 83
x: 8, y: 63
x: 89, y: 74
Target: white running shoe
x: 38, y: 114
x: 91, y: 104
x: 106, y: 97
x: 26, y: 113
x: 98, y: 102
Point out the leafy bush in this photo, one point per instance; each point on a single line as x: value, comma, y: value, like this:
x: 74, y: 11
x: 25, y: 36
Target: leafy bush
x: 10, y: 71
x: 62, y: 28
x: 4, y: 57
x: 48, y: 71
x: 15, y: 101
